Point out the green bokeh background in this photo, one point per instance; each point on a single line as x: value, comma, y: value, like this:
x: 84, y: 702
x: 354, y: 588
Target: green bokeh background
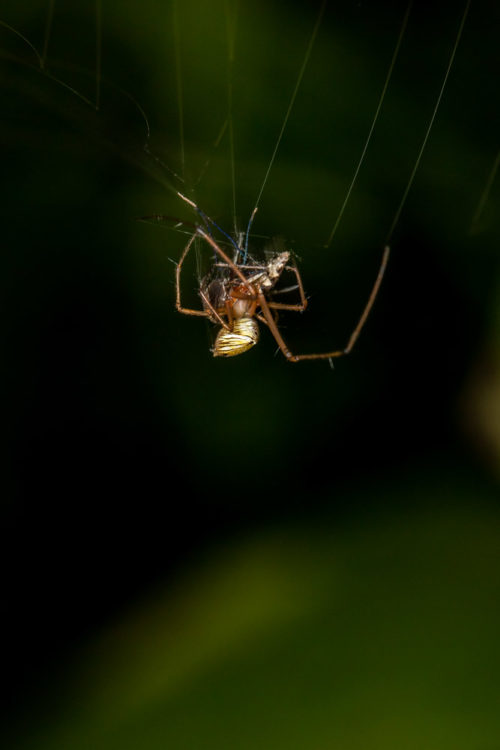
x: 248, y: 553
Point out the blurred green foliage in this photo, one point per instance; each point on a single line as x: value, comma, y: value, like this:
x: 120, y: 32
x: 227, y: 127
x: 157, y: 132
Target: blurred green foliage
x: 379, y: 632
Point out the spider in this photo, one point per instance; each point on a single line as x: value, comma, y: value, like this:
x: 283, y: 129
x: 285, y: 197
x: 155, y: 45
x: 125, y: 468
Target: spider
x: 236, y: 294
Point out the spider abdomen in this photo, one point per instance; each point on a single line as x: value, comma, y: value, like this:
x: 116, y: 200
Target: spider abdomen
x: 243, y: 335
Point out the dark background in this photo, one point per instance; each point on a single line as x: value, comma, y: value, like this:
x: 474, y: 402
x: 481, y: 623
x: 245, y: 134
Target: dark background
x: 134, y: 462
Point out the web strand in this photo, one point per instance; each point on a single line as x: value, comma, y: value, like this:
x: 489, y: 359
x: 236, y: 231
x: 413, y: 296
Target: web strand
x: 429, y: 128
x: 374, y: 121
x: 293, y: 97
x: 485, y: 194
x: 98, y: 53
x: 48, y: 30
x: 231, y: 36
x: 178, y: 85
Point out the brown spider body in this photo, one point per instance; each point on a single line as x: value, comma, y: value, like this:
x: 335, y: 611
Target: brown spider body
x: 233, y: 304
x: 236, y: 295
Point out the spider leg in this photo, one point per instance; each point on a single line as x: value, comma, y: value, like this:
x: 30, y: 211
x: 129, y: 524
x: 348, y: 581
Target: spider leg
x: 265, y: 307
x: 371, y: 300
x: 298, y: 307
x: 262, y: 319
x: 213, y: 312
x: 207, y: 221
x: 248, y: 266
x: 178, y: 303
x: 220, y: 252
x: 285, y: 306
x: 209, y: 311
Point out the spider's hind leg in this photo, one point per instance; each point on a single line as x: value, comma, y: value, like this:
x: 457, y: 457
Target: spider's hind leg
x: 298, y: 306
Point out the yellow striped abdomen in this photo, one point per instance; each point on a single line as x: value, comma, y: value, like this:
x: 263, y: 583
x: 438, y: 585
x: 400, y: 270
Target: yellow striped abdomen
x: 244, y: 335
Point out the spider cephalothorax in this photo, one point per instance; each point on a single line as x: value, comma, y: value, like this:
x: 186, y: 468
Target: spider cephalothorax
x: 232, y: 303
